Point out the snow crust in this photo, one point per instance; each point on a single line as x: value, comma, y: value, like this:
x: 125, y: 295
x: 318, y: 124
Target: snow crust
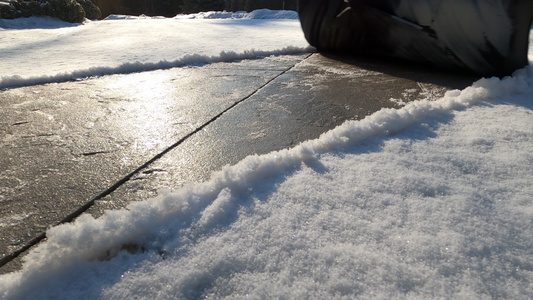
x: 430, y: 201
x: 256, y: 14
x: 43, y: 50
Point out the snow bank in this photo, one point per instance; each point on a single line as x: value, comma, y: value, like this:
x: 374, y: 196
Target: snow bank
x: 133, y: 67
x: 256, y: 14
x: 128, y: 17
x: 44, y: 50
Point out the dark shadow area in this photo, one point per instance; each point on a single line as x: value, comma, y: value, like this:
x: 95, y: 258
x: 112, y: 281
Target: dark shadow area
x: 408, y: 70
x: 35, y: 23
x: 423, y: 129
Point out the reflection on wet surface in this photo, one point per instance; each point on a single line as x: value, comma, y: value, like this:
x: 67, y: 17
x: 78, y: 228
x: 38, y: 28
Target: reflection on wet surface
x: 63, y: 144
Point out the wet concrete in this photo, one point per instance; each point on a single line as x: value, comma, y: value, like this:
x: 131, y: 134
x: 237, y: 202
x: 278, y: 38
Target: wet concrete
x: 98, y: 144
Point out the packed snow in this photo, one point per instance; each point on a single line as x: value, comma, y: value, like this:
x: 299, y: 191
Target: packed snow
x: 433, y: 200
x: 43, y: 50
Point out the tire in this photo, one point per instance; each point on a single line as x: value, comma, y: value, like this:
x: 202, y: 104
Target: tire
x: 326, y: 27
x: 484, y: 37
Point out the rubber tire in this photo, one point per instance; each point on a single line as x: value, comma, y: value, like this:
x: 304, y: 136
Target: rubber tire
x: 327, y: 28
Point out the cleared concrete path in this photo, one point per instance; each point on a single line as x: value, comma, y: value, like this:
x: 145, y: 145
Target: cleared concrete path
x: 96, y: 144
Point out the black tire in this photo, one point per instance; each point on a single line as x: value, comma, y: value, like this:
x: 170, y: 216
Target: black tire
x: 328, y: 26
x: 441, y: 33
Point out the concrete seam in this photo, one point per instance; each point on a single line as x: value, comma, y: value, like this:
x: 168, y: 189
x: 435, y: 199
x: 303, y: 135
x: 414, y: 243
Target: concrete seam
x: 122, y: 181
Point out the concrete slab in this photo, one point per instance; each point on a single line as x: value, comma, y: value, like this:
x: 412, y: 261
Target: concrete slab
x: 315, y: 96
x: 65, y: 144
x: 69, y: 144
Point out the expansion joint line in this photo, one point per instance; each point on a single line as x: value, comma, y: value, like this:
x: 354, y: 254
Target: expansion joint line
x: 122, y: 181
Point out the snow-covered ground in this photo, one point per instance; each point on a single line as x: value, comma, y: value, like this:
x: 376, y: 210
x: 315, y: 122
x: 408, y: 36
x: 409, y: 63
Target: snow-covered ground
x: 433, y: 200
x: 43, y: 50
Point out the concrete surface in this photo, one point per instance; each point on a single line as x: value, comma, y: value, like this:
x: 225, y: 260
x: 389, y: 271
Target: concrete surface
x: 96, y: 144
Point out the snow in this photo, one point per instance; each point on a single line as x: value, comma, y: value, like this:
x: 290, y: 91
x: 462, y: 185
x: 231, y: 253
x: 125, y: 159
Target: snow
x: 432, y: 200
x: 256, y: 14
x: 42, y: 50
